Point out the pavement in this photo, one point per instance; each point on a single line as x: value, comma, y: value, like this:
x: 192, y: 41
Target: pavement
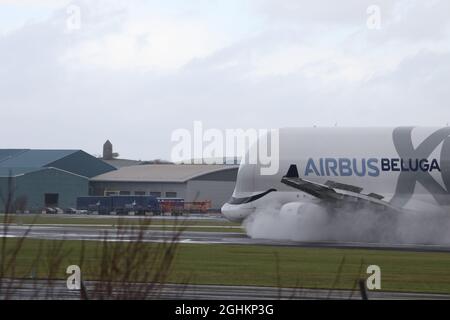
x: 44, y: 289
x: 56, y: 289
x: 57, y: 232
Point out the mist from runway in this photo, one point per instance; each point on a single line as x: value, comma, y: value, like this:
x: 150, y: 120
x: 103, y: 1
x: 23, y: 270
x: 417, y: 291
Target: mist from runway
x: 309, y: 222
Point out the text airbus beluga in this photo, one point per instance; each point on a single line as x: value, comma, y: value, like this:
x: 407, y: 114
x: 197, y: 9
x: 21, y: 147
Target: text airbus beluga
x: 385, y: 169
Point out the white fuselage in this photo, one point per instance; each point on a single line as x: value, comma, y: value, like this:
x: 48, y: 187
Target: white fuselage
x: 408, y: 167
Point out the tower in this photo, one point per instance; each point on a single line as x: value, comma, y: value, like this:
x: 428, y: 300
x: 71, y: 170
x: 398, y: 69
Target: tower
x: 107, y: 150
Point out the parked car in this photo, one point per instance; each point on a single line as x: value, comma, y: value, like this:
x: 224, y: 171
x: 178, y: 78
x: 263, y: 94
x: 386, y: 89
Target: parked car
x: 70, y: 211
x: 50, y: 210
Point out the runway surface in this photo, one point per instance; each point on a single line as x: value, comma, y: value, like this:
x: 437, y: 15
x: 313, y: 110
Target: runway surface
x: 192, y: 237
x: 57, y: 289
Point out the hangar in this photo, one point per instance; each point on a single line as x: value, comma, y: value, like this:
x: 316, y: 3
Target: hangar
x: 31, y: 180
x: 32, y: 189
x: 190, y: 182
x: 34, y: 179
x: 75, y: 161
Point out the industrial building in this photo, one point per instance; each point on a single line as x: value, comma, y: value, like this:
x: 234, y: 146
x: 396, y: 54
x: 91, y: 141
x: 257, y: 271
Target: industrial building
x: 214, y: 183
x: 112, y: 158
x: 34, y: 179
x: 74, y: 161
x: 31, y: 180
x: 32, y: 189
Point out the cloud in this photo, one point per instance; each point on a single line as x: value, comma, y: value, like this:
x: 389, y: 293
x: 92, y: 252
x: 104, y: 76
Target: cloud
x: 320, y: 12
x: 151, y: 44
x: 136, y: 71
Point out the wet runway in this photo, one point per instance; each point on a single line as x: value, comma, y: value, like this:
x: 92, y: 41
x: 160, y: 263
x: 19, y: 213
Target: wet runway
x: 59, y: 232
x: 57, y: 289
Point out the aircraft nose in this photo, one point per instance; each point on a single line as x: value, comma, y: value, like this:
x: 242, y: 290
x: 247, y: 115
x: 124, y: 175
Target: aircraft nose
x: 236, y: 213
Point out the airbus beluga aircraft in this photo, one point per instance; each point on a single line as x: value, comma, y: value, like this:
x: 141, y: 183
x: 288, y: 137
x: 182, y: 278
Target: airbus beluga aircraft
x: 385, y: 169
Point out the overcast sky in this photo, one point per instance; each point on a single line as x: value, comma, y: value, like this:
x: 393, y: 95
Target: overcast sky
x: 137, y: 70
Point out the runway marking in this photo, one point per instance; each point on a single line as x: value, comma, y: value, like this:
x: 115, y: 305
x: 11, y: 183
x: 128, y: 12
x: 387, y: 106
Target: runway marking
x: 198, y: 237
x: 118, y: 225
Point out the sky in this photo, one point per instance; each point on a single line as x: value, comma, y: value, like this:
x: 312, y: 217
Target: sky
x: 75, y: 73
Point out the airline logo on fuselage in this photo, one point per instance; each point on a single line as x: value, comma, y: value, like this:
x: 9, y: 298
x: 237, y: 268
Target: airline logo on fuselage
x: 372, y: 167
x: 413, y: 164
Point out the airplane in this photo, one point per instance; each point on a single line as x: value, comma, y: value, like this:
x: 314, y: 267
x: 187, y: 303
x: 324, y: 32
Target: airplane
x: 389, y: 170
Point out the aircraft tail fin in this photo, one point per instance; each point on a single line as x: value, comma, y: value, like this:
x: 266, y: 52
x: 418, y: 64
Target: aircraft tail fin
x: 292, y: 172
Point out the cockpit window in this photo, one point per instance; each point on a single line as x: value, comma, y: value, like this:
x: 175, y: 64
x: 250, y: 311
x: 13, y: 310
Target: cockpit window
x: 234, y: 200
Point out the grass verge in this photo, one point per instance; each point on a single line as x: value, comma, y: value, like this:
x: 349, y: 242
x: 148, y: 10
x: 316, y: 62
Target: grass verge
x: 102, y: 220
x: 263, y: 265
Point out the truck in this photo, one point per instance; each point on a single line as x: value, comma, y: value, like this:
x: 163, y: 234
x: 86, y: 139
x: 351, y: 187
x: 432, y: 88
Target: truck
x: 101, y: 205
x: 136, y: 204
x: 119, y: 204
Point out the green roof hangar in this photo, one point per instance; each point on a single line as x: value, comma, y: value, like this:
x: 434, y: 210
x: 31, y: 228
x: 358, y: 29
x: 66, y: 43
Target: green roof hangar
x: 31, y: 180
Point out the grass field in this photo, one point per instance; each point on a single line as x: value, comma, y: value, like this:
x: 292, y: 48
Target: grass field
x: 269, y: 266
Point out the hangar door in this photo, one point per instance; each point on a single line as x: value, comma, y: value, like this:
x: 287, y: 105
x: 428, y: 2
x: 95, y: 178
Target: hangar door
x: 51, y: 199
